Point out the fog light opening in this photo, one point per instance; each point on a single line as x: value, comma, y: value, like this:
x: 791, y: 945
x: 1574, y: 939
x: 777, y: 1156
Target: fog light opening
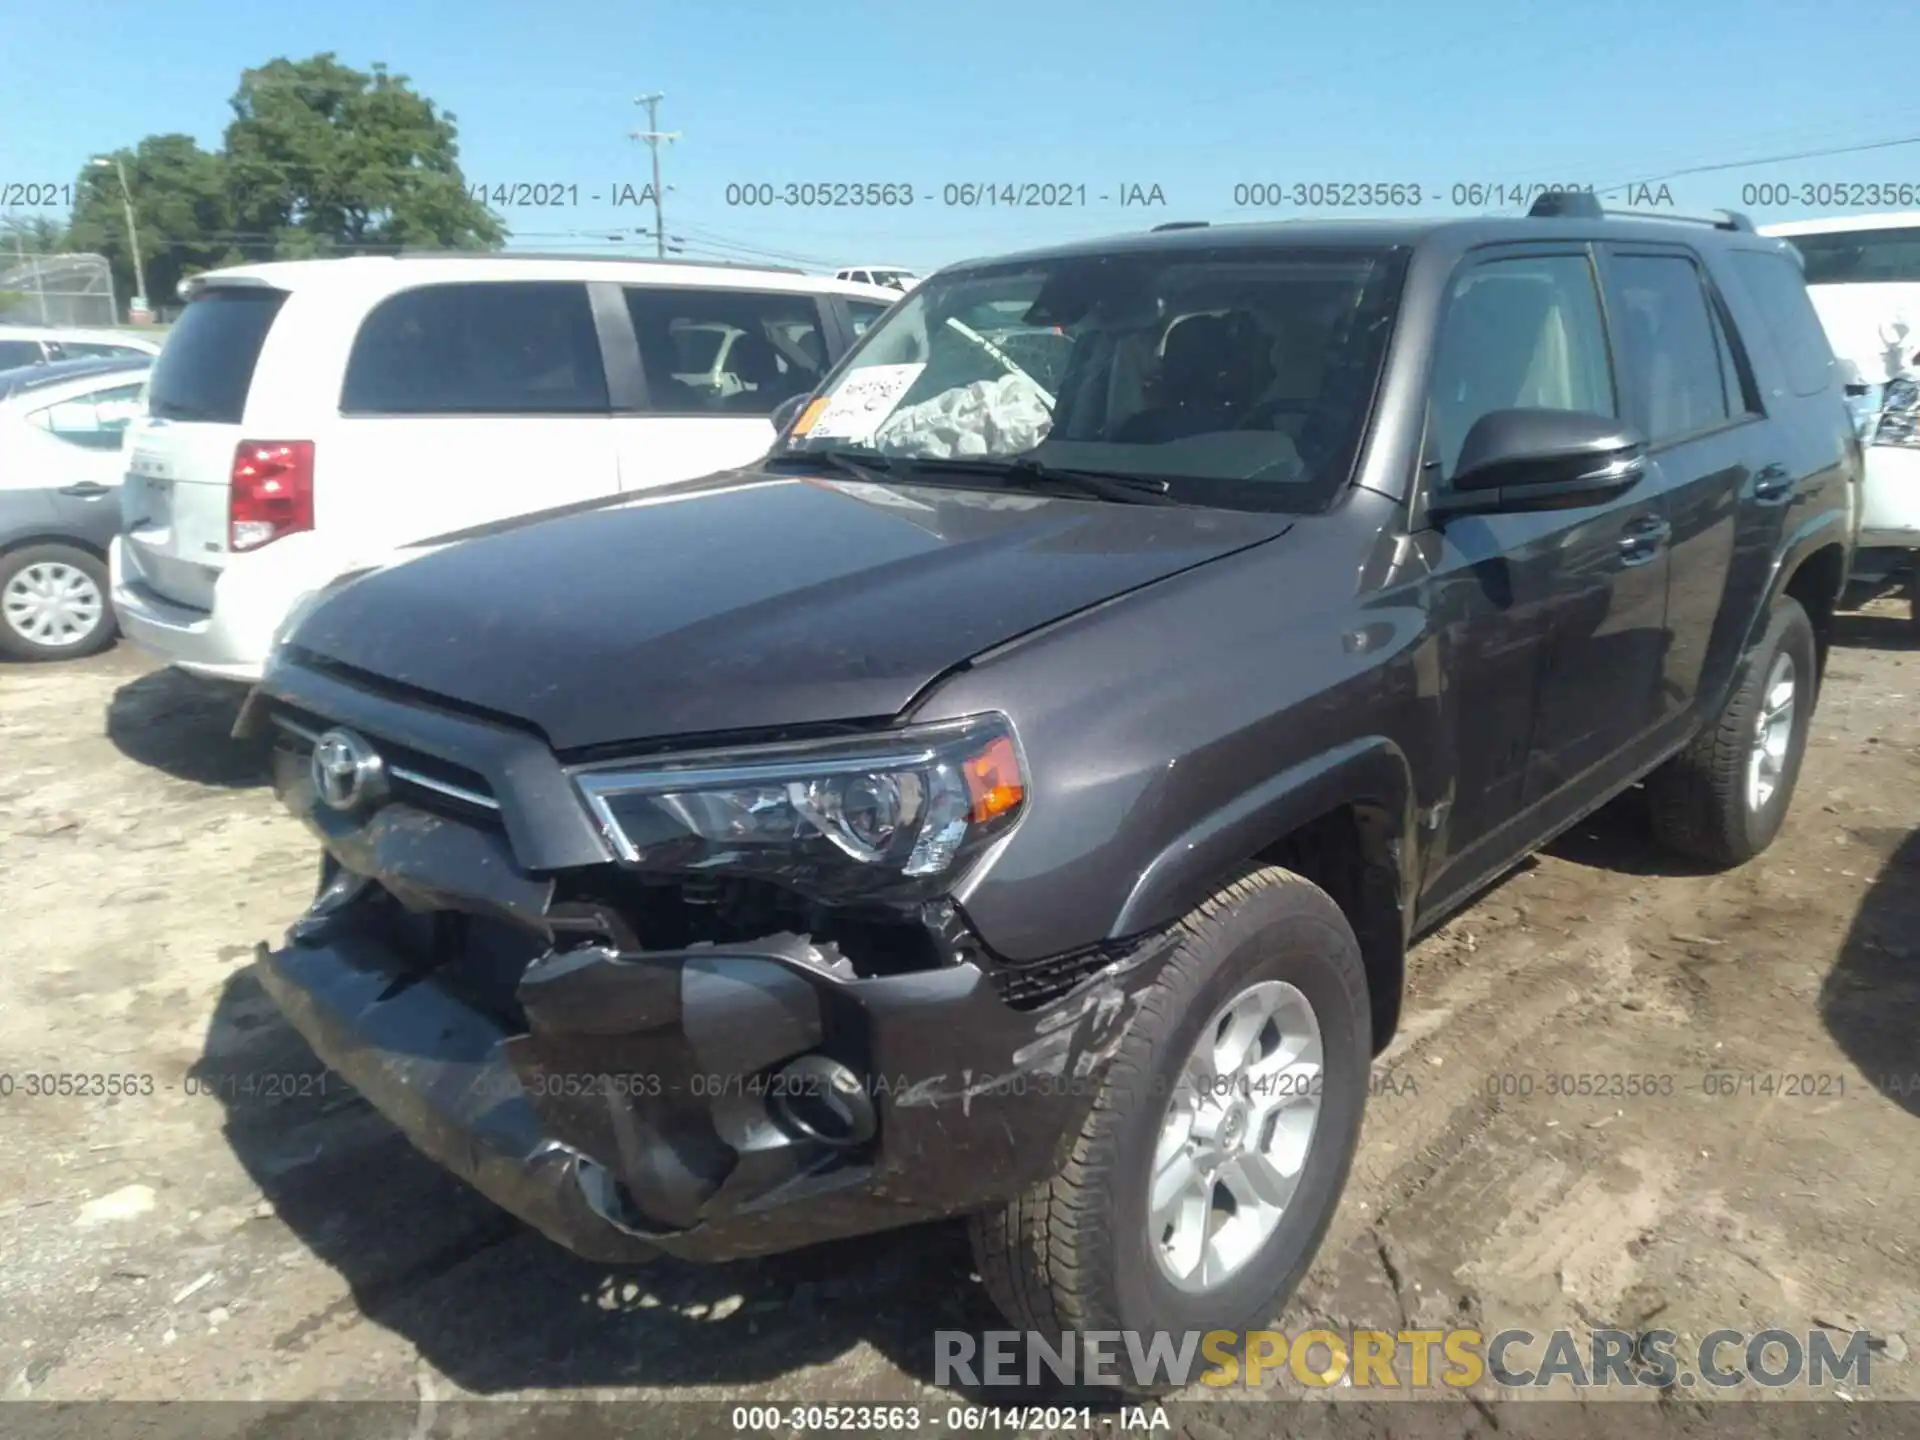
x: 823, y: 1100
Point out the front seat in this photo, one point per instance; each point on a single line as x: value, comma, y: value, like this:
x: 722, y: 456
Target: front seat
x: 1211, y: 370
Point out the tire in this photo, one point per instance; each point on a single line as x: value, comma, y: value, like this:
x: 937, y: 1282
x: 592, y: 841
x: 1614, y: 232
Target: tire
x: 1074, y: 1254
x: 24, y: 575
x: 1913, y: 592
x: 1703, y: 802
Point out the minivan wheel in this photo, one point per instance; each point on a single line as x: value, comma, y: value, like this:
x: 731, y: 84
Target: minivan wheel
x: 1724, y: 797
x: 53, y: 603
x: 1218, y: 1143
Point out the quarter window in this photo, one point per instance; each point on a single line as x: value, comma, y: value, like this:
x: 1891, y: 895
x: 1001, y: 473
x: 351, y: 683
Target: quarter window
x: 501, y: 348
x: 1779, y: 292
x: 726, y: 352
x: 1670, y: 356
x: 1520, y: 333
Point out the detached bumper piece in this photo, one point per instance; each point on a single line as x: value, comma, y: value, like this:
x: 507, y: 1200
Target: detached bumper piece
x: 710, y: 1102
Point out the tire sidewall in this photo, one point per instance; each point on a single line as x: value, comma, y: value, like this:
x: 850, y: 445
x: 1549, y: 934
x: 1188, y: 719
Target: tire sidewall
x: 19, y: 646
x: 1265, y: 939
x: 1790, y: 631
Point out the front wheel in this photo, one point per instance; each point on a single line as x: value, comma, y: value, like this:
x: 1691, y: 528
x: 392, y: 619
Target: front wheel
x: 1724, y: 797
x: 1216, y: 1150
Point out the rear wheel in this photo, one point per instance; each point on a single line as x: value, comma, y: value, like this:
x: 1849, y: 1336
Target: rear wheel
x: 1216, y: 1150
x: 53, y: 603
x: 1724, y: 797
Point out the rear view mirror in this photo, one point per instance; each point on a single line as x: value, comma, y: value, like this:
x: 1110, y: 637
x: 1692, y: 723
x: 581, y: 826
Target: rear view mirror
x: 1516, y: 460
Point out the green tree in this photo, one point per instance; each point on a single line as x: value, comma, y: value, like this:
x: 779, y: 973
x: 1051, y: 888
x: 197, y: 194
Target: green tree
x: 35, y: 234
x: 181, y: 208
x: 323, y: 159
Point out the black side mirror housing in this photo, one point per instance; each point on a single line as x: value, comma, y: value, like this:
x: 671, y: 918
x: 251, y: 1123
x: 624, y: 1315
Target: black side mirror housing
x: 1521, y: 460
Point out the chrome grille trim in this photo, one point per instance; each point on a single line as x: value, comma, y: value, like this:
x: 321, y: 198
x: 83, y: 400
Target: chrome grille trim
x: 400, y: 772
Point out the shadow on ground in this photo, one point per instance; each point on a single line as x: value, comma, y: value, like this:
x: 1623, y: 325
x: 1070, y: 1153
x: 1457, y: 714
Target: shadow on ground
x: 1870, y: 1000
x: 1875, y: 631
x: 175, y: 723
x: 496, y: 1307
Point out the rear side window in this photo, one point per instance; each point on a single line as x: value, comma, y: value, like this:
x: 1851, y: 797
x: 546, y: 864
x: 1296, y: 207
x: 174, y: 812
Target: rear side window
x: 726, y: 352
x: 1860, y: 257
x: 1675, y: 380
x: 97, y: 420
x: 83, y: 350
x: 1780, y: 294
x: 503, y: 348
x: 19, y: 352
x: 206, y: 367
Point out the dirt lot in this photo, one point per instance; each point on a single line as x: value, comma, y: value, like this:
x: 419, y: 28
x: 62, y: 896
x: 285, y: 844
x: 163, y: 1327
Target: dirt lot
x: 219, y: 1238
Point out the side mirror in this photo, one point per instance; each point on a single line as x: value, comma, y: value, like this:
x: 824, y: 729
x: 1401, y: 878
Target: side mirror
x: 1520, y: 460
x: 787, y: 411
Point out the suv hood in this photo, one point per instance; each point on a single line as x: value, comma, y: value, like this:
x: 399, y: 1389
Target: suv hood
x: 768, y: 601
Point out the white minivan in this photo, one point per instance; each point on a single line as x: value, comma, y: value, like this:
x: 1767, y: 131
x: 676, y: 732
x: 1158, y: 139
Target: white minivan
x: 307, y: 417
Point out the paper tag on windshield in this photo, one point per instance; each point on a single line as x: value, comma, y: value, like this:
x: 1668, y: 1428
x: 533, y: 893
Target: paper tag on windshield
x: 863, y: 400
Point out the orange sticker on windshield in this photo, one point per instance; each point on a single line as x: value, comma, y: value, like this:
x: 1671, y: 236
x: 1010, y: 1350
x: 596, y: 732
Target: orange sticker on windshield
x: 804, y: 421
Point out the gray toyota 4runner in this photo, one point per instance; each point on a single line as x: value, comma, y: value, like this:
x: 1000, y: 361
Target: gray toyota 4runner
x: 1015, y: 796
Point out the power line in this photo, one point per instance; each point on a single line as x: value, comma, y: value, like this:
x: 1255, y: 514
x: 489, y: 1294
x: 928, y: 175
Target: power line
x: 1767, y: 160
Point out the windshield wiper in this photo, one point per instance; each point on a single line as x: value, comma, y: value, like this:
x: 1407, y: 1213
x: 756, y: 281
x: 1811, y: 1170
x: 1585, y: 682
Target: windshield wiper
x: 1037, y: 475
x: 872, y: 469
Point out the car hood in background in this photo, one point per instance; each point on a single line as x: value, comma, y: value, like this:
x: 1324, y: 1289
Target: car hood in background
x: 768, y: 601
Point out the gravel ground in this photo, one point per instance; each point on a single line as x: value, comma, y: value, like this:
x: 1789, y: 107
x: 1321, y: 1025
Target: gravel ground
x: 239, y: 1228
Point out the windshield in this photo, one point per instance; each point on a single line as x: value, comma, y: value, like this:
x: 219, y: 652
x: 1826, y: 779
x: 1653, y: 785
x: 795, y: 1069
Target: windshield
x: 1240, y: 377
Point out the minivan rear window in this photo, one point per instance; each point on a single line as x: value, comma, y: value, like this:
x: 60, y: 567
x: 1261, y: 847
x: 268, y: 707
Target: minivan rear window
x: 206, y: 367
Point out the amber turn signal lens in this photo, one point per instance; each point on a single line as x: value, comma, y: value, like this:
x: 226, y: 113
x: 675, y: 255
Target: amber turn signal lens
x: 804, y: 421
x: 994, y: 782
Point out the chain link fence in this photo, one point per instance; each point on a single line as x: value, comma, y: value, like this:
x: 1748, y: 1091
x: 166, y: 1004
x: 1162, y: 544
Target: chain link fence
x: 56, y: 290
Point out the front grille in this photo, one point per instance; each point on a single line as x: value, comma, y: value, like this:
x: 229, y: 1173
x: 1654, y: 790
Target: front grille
x: 422, y: 780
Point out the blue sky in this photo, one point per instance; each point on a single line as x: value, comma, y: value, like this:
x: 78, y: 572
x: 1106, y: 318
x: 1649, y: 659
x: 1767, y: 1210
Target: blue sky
x: 1195, y: 98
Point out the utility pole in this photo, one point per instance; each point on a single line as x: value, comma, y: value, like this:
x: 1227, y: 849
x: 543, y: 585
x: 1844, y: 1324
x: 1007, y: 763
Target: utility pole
x: 653, y: 135
x: 133, y: 231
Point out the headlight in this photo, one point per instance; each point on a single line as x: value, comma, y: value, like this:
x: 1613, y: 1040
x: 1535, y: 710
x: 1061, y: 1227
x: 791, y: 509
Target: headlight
x: 879, y: 816
x: 1899, y: 414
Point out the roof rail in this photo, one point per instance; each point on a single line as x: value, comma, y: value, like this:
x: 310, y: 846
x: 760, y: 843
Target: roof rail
x: 1719, y: 219
x: 1180, y: 225
x: 1585, y: 205
x: 406, y: 254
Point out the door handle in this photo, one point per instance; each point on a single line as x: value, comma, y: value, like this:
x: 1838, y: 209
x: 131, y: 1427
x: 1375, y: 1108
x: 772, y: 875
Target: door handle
x: 87, y: 490
x: 1641, y: 539
x: 1773, y: 484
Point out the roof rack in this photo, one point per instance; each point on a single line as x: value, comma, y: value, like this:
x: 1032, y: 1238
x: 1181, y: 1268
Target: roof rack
x: 406, y: 254
x: 1585, y: 205
x: 1180, y: 225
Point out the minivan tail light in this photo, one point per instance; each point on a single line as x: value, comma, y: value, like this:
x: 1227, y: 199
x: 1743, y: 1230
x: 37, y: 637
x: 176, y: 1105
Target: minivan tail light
x: 270, y: 493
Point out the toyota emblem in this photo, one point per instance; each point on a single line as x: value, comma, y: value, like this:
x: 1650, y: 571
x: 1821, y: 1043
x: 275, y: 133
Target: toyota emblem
x: 347, y: 772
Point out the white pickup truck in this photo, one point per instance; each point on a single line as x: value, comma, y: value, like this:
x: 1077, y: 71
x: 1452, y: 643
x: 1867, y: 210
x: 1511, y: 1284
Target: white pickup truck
x: 1863, y: 274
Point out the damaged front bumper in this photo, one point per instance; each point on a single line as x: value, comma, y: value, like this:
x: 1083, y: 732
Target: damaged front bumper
x: 711, y: 1101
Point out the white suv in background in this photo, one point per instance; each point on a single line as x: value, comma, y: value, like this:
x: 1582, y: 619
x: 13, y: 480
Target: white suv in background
x: 1863, y: 275
x: 308, y: 417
